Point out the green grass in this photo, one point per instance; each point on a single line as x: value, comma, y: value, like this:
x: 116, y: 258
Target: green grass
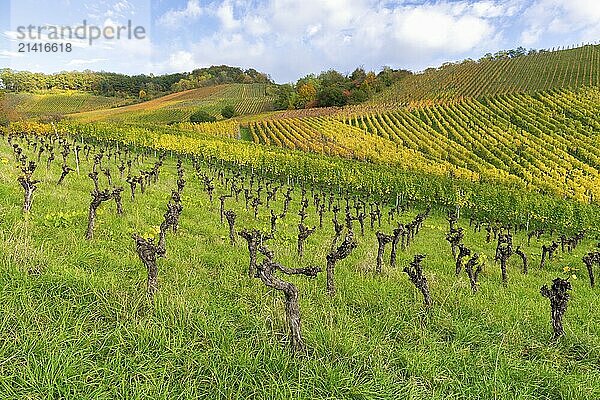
x: 245, y: 134
x: 75, y: 321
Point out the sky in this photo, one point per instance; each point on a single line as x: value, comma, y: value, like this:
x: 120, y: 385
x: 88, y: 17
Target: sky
x: 288, y: 39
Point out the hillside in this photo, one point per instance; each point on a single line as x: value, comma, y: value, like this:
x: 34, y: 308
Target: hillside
x: 112, y: 84
x: 525, y: 74
x: 79, y: 323
x: 546, y: 142
x: 541, y: 71
x: 177, y: 107
x: 59, y: 103
x: 388, y: 250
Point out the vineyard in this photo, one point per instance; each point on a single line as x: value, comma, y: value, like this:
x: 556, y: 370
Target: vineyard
x: 546, y: 142
x: 395, y: 304
x: 177, y: 107
x: 60, y: 103
x: 439, y: 242
x: 559, y: 69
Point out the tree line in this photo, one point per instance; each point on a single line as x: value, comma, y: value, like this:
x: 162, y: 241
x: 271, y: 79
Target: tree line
x: 128, y: 86
x: 334, y: 89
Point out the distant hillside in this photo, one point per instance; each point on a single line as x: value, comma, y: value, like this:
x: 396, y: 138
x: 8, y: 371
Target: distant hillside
x: 531, y: 73
x: 177, y: 107
x: 111, y: 97
x: 58, y: 103
x: 131, y: 86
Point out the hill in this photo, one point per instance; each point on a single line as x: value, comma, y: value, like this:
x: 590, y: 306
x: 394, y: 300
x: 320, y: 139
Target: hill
x: 546, y: 141
x: 81, y: 325
x: 524, y: 74
x: 177, y: 107
x: 58, y: 102
x: 252, y: 92
x: 126, y: 86
x: 430, y: 227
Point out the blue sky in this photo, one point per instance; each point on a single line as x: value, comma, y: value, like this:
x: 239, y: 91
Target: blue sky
x: 290, y: 38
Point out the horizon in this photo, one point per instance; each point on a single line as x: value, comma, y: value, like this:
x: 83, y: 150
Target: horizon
x: 294, y: 41
x: 346, y: 73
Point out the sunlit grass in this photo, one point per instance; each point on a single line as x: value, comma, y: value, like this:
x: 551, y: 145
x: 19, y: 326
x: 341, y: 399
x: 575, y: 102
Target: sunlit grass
x: 75, y: 321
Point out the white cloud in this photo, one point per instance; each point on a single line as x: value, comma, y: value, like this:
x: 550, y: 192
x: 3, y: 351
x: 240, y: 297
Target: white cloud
x: 119, y: 9
x: 225, y: 14
x: 579, y: 20
x: 181, y: 61
x: 312, y: 35
x: 174, y: 18
x: 9, y: 54
x: 122, y: 6
x: 256, y: 25
x: 531, y: 36
x: 490, y: 9
x: 438, y: 28
x: 81, y: 62
x: 313, y: 30
x: 290, y: 38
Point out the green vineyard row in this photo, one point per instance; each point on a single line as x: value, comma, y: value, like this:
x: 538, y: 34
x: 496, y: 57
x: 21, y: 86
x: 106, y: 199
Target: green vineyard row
x: 547, y: 142
x: 386, y: 182
x: 527, y: 74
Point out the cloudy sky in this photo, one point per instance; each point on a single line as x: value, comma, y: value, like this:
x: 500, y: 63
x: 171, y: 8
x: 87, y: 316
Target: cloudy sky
x: 291, y: 38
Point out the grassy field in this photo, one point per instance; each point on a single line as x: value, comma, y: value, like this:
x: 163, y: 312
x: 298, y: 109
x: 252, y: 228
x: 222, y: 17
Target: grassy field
x: 76, y: 322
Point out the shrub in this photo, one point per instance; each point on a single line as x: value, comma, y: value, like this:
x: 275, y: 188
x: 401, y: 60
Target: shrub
x: 228, y: 112
x: 202, y: 116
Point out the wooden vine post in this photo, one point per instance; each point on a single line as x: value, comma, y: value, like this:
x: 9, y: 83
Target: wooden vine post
x: 98, y: 197
x: 230, y: 215
x: 589, y: 260
x: 504, y: 252
x: 463, y: 251
x: 303, y: 233
x: 382, y: 240
x: 254, y: 239
x: 473, y: 267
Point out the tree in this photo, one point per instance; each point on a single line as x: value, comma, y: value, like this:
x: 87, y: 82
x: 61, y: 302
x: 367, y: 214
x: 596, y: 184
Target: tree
x: 331, y: 96
x: 358, y: 76
x: 3, y: 112
x: 388, y: 76
x: 369, y: 84
x: 307, y: 95
x: 228, y: 111
x: 286, y: 97
x: 332, y: 78
x: 202, y: 116
x: 358, y: 96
